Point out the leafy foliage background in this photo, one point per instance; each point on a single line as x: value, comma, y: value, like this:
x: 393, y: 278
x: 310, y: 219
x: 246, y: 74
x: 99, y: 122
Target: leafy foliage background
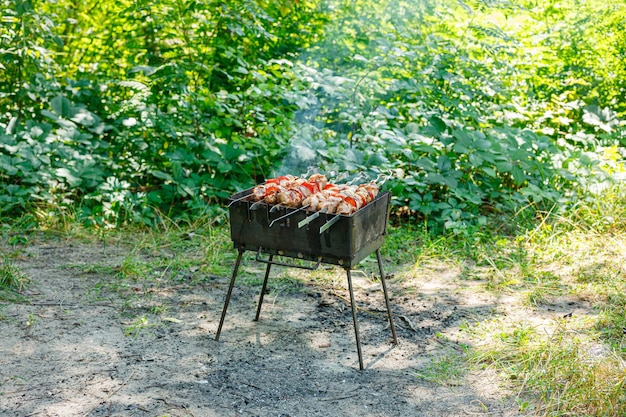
x: 130, y: 110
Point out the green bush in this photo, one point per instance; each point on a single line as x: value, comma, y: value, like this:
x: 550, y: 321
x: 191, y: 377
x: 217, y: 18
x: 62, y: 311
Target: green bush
x: 133, y: 110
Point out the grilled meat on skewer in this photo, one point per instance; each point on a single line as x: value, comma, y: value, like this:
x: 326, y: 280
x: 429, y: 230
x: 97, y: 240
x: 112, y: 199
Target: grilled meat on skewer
x: 320, y: 180
x: 316, y: 193
x: 297, y: 191
x: 272, y: 192
x: 326, y: 199
x: 330, y: 204
x: 260, y: 191
x: 288, y: 190
x: 355, y: 198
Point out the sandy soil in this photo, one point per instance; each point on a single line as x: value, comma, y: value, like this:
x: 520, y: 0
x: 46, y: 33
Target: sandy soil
x: 76, y: 347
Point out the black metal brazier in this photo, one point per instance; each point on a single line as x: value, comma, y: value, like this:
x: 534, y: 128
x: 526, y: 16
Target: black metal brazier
x: 346, y: 242
x: 314, y: 236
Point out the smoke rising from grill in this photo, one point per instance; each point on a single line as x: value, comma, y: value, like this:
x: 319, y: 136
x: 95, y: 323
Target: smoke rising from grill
x: 340, y: 110
x: 322, y: 109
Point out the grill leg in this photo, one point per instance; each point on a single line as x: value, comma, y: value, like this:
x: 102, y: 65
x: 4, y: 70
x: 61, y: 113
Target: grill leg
x: 267, y: 274
x: 228, y: 294
x: 354, y: 319
x: 382, y: 280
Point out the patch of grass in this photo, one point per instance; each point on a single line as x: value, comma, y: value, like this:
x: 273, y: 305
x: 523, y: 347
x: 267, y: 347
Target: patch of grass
x: 404, y: 245
x: 541, y: 287
x: 12, y: 279
x: 16, y: 231
x: 186, y: 252
x: 159, y: 309
x: 571, y: 365
x: 567, y: 372
x: 31, y: 320
x: 134, y: 328
x: 159, y: 262
x: 447, y: 370
x: 286, y: 284
x: 611, y: 322
x: 132, y: 268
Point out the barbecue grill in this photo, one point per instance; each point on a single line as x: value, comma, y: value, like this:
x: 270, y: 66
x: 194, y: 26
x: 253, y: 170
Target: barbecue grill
x: 277, y: 231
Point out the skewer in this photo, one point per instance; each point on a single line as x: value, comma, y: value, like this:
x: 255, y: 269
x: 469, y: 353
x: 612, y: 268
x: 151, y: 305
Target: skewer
x: 329, y: 223
x: 238, y: 199
x: 287, y: 215
x: 337, y: 177
x: 362, y: 175
x: 309, y: 171
x: 275, y: 207
x: 383, y: 178
x: 257, y: 204
x: 309, y: 219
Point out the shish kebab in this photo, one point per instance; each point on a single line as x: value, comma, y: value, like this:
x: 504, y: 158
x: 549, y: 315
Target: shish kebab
x: 315, y: 193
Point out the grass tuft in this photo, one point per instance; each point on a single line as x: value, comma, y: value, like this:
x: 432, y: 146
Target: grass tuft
x: 447, y: 370
x: 11, y: 278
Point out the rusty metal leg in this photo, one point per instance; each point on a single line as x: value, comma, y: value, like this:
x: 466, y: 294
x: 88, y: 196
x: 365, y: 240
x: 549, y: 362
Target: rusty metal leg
x: 230, y: 290
x: 267, y: 274
x: 354, y: 319
x: 382, y: 280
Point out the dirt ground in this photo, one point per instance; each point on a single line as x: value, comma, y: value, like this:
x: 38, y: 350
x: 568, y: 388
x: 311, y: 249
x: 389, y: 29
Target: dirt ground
x: 66, y: 352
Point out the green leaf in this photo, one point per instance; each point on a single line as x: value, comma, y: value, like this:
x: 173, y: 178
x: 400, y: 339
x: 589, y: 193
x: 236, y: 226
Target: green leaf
x: 438, y: 124
x: 177, y: 169
x: 62, y: 106
x: 7, y: 166
x: 489, y: 171
x: 427, y: 164
x: 163, y: 175
x: 504, y: 166
x: 443, y: 163
x: 185, y: 190
x: 71, y: 179
x: 475, y: 159
x: 518, y: 175
x: 460, y: 148
x: 146, y: 69
x: 49, y: 114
